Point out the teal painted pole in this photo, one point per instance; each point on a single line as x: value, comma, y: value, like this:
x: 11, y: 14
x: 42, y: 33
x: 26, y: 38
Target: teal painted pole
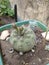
x: 1, y: 61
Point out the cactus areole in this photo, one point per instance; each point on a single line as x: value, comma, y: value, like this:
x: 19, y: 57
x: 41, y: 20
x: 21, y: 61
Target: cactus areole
x: 23, y: 38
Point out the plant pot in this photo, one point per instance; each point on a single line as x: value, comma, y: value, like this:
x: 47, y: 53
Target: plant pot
x: 8, y: 26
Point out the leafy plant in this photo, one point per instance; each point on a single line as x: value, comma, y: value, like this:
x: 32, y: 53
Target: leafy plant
x: 5, y: 8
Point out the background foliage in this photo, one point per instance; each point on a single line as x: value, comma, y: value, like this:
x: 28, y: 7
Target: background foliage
x: 5, y: 8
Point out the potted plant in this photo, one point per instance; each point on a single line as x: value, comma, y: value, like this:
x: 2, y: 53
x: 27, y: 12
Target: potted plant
x: 19, y: 38
x: 23, y: 38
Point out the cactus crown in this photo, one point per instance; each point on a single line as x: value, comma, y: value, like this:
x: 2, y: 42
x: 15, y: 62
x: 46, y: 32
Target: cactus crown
x: 22, y: 38
x: 20, y: 30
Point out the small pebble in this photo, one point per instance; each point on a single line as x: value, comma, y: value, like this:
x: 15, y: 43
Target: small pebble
x: 4, y: 34
x: 31, y: 54
x: 47, y: 58
x: 26, y: 63
x: 33, y: 50
x: 39, y: 60
x: 47, y: 47
x: 23, y: 62
x: 34, y: 63
x: 11, y: 50
x: 21, y: 53
x: 47, y: 37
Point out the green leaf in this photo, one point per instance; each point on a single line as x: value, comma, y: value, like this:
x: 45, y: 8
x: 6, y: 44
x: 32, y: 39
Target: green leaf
x: 5, y: 8
x: 2, y: 6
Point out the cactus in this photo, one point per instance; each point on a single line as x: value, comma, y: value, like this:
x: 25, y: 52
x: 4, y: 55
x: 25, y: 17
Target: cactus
x: 23, y: 38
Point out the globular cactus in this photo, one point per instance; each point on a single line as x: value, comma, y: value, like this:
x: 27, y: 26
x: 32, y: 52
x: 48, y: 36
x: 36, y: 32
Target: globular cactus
x: 23, y: 38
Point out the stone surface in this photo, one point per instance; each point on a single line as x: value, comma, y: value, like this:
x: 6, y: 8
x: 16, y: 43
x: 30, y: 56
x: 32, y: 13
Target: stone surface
x: 32, y: 9
x: 4, y: 34
x: 47, y: 47
x: 11, y: 50
x: 44, y: 34
x: 21, y: 53
x: 33, y: 50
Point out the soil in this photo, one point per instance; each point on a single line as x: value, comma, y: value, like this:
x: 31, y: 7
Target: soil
x: 6, y: 19
x: 39, y: 57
